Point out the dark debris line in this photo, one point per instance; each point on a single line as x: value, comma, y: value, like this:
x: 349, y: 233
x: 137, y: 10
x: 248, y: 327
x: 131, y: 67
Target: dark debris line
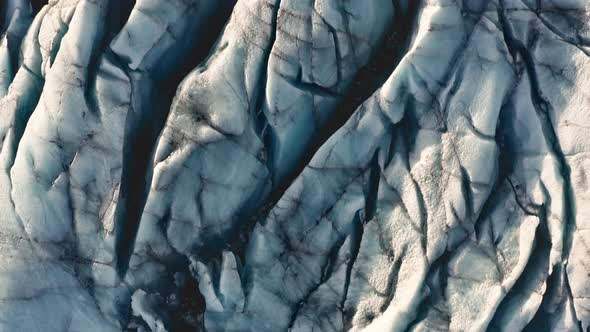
x: 519, y: 50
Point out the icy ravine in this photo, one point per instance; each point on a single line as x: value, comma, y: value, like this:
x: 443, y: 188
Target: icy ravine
x: 453, y: 198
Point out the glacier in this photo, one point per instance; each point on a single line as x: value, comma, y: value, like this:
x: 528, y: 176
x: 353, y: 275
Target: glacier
x: 294, y: 165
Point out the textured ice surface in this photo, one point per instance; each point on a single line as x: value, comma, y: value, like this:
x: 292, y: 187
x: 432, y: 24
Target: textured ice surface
x: 295, y: 165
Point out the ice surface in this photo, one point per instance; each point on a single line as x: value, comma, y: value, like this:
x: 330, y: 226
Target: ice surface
x: 294, y: 165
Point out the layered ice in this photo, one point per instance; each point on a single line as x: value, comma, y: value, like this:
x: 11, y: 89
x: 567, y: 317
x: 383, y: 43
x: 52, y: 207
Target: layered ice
x: 294, y: 165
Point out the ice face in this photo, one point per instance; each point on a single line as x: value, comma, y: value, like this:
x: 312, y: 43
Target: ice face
x: 300, y: 165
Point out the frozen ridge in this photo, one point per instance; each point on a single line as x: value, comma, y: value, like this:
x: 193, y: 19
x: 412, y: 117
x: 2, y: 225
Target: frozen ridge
x: 295, y: 165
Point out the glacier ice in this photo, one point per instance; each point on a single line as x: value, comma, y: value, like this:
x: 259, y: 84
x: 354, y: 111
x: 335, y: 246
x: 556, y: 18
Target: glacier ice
x: 294, y: 165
